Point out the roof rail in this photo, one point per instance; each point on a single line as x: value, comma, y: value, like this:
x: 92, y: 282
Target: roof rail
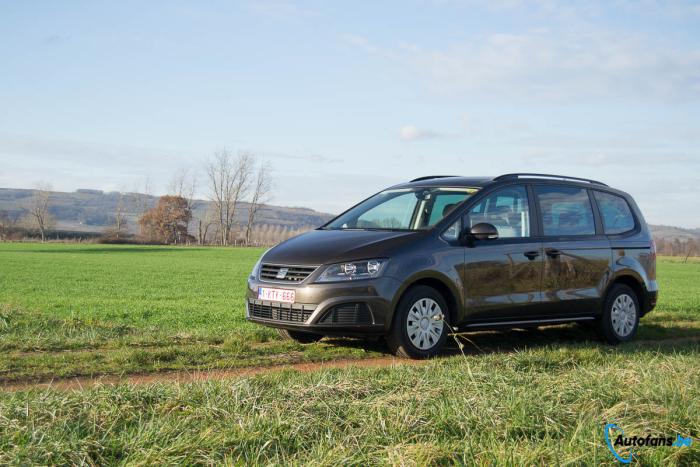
x: 515, y: 176
x: 430, y: 177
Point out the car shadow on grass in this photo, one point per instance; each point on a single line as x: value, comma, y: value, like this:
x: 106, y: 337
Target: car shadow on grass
x: 665, y: 338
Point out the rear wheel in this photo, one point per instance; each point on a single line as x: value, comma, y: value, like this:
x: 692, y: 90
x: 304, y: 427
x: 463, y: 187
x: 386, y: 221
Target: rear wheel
x: 299, y: 336
x: 620, y: 318
x: 419, y: 328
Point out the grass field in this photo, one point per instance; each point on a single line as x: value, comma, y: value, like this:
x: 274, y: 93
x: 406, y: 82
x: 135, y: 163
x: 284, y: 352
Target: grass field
x: 68, y: 310
x: 517, y: 397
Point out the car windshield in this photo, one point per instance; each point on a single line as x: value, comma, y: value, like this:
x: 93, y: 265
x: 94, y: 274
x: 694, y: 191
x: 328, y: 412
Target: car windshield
x: 402, y: 209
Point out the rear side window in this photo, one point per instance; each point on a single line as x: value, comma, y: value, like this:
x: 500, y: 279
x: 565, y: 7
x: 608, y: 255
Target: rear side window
x: 616, y: 213
x: 565, y: 210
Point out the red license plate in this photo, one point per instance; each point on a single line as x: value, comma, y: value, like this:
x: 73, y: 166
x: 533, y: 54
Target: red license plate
x: 276, y: 295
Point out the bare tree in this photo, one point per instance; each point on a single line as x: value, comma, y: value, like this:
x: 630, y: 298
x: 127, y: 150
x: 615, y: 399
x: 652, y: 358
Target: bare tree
x: 8, y: 223
x: 141, y: 198
x: 261, y: 195
x: 184, y: 185
x: 120, y: 220
x: 38, y: 209
x: 229, y: 180
x: 204, y: 225
x: 691, y: 248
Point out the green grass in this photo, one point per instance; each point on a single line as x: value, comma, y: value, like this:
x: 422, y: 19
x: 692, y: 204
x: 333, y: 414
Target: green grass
x: 198, y: 291
x: 82, y: 309
x: 543, y: 406
x: 516, y: 397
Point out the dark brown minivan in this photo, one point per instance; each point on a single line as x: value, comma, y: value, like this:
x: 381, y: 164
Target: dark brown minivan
x: 516, y: 250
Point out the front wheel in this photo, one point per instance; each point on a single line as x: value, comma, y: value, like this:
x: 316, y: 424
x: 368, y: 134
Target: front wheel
x: 299, y: 336
x: 419, y: 328
x: 620, y: 318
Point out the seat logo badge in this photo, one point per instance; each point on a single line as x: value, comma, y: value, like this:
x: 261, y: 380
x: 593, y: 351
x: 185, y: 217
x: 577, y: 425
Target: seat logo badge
x: 282, y: 273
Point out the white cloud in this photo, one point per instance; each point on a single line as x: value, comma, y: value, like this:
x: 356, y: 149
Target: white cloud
x: 542, y: 63
x: 610, y: 157
x: 362, y: 43
x: 574, y: 11
x: 279, y: 9
x: 413, y: 133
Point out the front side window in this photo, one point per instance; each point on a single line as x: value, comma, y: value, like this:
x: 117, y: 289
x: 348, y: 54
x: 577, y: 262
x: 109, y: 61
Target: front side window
x: 402, y: 209
x: 616, y: 213
x: 506, y: 209
x: 565, y: 210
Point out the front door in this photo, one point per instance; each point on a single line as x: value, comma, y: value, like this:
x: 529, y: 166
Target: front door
x: 503, y: 277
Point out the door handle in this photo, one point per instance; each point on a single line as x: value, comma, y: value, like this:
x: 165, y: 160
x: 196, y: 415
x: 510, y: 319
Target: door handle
x: 532, y: 254
x: 552, y: 252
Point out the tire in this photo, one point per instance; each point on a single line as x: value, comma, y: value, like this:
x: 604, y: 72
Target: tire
x: 620, y: 318
x: 299, y: 336
x: 413, y: 313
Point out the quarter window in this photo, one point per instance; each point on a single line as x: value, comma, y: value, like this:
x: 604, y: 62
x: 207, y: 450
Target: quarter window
x: 616, y: 213
x: 565, y: 210
x: 452, y: 232
x: 507, y: 210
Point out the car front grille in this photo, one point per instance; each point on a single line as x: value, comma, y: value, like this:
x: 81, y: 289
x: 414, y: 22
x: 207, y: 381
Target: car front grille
x: 283, y: 273
x: 286, y: 312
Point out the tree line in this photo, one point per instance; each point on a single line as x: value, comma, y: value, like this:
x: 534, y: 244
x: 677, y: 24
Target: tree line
x: 36, y: 218
x: 237, y: 186
x: 677, y: 247
x: 230, y: 179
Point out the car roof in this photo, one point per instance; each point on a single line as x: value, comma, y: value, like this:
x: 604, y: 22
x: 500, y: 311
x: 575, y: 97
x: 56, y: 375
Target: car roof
x: 478, y: 182
x: 447, y: 181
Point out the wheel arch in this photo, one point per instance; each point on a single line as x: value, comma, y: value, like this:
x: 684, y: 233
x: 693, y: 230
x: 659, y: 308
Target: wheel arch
x: 441, y: 285
x: 630, y: 280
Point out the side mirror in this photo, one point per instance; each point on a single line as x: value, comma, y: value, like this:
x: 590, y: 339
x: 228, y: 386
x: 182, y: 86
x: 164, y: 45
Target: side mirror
x: 484, y: 231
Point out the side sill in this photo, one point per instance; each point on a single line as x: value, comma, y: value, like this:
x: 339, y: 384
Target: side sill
x: 526, y: 322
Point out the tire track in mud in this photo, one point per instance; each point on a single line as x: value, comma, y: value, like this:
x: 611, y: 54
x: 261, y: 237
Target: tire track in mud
x: 182, y: 377
x: 193, y: 376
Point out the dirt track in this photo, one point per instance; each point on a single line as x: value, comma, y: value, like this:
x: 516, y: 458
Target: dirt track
x: 83, y: 382
x: 185, y: 376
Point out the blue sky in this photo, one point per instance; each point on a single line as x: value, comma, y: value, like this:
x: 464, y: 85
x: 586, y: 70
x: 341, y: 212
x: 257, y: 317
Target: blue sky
x: 345, y: 98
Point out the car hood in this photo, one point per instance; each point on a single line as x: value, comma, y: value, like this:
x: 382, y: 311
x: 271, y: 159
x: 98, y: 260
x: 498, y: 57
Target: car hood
x: 334, y: 246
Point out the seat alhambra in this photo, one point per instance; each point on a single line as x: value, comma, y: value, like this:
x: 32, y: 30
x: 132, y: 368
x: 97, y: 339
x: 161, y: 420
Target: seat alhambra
x: 421, y: 258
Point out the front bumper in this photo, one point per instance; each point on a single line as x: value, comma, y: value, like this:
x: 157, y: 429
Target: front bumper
x: 353, y: 308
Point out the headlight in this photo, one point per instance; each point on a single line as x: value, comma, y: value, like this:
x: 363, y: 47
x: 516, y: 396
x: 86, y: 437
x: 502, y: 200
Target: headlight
x: 256, y: 268
x: 354, y: 270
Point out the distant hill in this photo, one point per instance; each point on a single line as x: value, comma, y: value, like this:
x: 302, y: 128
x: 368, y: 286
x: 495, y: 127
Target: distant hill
x: 87, y: 210
x: 671, y: 233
